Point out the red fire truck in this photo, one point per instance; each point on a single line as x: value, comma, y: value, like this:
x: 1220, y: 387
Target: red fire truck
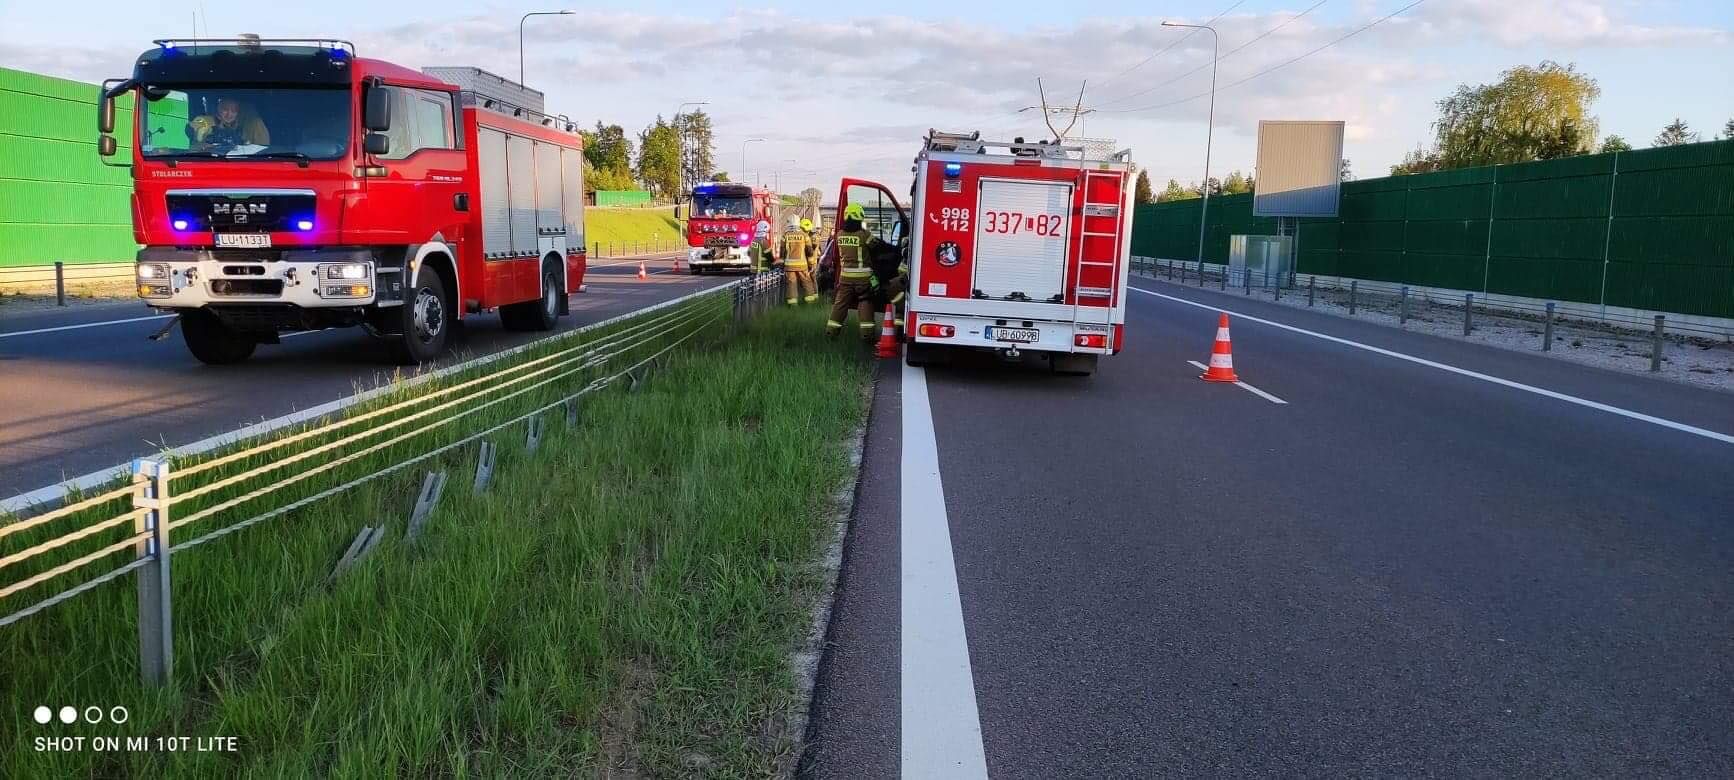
x: 1016, y: 247
x: 284, y: 185
x: 724, y: 217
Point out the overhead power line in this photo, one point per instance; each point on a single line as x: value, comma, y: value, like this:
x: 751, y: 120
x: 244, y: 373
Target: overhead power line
x: 1225, y: 56
x: 1278, y: 66
x: 1164, y: 50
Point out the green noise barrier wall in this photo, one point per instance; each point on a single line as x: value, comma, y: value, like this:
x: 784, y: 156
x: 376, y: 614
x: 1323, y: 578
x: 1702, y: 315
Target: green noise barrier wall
x: 1647, y: 229
x: 57, y: 200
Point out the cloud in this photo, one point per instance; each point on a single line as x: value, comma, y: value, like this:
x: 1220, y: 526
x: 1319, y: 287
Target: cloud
x: 1574, y: 23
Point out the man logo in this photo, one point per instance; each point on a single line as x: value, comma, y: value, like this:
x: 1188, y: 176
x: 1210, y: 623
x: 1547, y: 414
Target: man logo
x: 948, y: 254
x: 238, y: 208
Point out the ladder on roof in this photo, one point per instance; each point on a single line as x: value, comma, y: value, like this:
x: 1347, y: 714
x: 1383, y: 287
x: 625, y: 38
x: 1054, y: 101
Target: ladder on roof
x: 1099, y: 237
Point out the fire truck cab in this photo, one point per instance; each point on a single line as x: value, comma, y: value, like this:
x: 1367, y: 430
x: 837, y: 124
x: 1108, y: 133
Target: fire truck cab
x: 1014, y: 247
x: 724, y: 219
x: 290, y: 185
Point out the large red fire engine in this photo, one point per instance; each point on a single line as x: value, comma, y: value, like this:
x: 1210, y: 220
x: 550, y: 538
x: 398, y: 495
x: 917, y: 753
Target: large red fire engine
x: 1015, y: 247
x: 283, y: 185
x: 724, y: 218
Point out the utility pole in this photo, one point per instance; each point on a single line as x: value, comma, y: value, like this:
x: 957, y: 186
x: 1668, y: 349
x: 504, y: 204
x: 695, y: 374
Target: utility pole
x: 521, y: 36
x: 1209, y: 130
x: 744, y: 157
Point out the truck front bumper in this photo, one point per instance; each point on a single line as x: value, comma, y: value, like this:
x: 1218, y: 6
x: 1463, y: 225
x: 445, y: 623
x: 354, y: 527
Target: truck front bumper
x: 288, y: 289
x: 718, y: 257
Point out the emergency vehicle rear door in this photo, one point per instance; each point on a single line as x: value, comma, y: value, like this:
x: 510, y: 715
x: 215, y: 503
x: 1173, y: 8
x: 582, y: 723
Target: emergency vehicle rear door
x: 1020, y: 239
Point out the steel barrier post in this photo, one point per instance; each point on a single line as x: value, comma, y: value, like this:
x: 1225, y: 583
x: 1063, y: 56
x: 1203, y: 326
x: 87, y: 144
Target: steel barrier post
x: 1312, y: 284
x: 1403, y: 306
x: 156, y: 640
x: 1656, y: 345
x: 1201, y: 273
x: 1468, y: 313
x: 59, y: 283
x: 1354, y: 287
x: 1547, y: 330
x: 1245, y: 281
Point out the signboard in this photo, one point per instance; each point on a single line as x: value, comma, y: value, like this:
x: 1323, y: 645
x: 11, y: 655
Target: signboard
x: 1299, y: 169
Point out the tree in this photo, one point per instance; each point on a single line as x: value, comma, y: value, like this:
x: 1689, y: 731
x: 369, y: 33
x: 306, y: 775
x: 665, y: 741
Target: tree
x: 1418, y: 161
x: 1539, y: 113
x: 608, y: 158
x: 1141, y: 192
x: 700, y: 157
x: 1728, y: 131
x: 1346, y: 174
x: 1676, y: 133
x: 659, y: 158
x: 1175, y: 192
x: 608, y: 179
x: 1236, y: 184
x: 720, y: 176
x: 1614, y: 143
x: 1213, y: 183
x: 811, y: 197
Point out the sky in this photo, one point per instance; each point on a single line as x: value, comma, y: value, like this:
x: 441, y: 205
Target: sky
x: 852, y: 92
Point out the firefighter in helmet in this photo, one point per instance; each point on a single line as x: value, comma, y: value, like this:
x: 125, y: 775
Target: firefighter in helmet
x: 759, y: 251
x: 799, y: 257
x: 855, y: 282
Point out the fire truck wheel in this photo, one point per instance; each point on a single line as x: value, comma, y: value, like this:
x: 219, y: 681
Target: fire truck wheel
x: 212, y: 342
x: 1074, y: 365
x: 918, y: 354
x: 426, y: 319
x: 539, y: 314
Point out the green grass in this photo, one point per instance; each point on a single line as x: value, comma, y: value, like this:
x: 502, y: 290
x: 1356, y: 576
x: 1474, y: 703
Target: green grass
x: 625, y: 598
x: 616, y: 228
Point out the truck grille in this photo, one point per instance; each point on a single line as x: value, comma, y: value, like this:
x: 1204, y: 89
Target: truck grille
x: 247, y: 288
x: 240, y: 212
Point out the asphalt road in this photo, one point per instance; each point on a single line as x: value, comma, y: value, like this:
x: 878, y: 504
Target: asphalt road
x: 79, y: 400
x: 1400, y: 571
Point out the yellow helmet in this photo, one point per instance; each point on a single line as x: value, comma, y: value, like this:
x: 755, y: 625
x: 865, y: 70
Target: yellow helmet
x: 854, y: 211
x: 806, y: 224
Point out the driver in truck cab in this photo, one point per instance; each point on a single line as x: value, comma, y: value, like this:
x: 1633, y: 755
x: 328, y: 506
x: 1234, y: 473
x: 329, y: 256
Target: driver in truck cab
x: 228, y: 129
x: 855, y: 282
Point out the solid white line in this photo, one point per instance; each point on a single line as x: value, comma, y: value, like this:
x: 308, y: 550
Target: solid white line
x: 1558, y: 396
x: 1244, y: 386
x: 85, y: 325
x: 941, y: 727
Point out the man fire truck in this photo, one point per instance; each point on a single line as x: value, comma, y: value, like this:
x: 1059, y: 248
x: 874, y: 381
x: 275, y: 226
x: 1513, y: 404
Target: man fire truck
x: 354, y: 192
x: 724, y: 218
x: 1017, y: 247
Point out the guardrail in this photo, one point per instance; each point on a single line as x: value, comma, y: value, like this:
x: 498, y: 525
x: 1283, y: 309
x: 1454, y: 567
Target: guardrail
x: 630, y: 248
x: 134, y: 527
x: 56, y: 276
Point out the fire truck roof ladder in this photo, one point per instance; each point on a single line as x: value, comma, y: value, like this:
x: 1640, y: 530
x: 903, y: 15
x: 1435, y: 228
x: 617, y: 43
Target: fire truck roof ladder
x: 254, y: 40
x: 972, y: 143
x: 473, y: 99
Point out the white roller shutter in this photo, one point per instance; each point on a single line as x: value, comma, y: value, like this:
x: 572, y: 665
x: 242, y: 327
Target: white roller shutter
x: 1020, y: 238
x: 496, y: 209
x: 521, y: 165
x: 548, y: 191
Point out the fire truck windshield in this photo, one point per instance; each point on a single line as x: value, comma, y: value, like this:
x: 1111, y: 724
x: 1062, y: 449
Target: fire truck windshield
x: 736, y: 206
x: 233, y: 122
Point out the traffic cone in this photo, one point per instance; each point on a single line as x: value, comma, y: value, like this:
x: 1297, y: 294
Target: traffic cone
x: 676, y: 265
x: 888, y: 336
x: 641, y: 274
x: 1221, y: 357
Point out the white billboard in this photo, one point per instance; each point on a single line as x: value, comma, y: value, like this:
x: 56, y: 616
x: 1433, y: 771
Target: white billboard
x: 1299, y: 169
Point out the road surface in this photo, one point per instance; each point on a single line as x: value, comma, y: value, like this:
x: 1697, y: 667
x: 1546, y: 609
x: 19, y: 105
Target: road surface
x: 74, y: 400
x: 1483, y: 563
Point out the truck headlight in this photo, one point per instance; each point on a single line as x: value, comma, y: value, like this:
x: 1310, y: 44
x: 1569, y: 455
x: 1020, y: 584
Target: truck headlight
x: 347, y: 272
x: 153, y: 271
x: 346, y: 291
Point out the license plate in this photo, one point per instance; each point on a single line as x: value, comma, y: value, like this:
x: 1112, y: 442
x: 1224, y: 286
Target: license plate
x: 1020, y: 335
x: 244, y: 240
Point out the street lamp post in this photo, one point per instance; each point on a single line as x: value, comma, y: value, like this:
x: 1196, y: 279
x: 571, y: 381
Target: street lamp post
x: 744, y: 156
x: 779, y: 183
x: 1209, y: 129
x: 680, y: 139
x: 521, y: 36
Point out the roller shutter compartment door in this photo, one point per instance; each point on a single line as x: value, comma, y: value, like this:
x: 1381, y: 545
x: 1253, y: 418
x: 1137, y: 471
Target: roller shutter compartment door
x: 1021, y: 235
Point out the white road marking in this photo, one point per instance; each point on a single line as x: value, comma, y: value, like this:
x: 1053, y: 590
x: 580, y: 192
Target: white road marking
x: 85, y: 325
x: 1558, y: 396
x: 1244, y: 386
x: 940, y: 724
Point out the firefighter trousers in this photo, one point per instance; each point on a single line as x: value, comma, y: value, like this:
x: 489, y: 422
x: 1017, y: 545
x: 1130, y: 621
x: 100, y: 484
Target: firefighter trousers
x: 857, y: 295
x: 795, y: 280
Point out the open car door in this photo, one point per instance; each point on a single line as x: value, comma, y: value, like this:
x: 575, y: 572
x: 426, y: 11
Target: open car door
x: 886, y: 219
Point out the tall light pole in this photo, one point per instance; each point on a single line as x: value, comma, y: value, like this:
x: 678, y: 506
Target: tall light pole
x: 744, y: 156
x: 779, y: 183
x: 521, y: 36
x: 1209, y: 129
x: 680, y: 139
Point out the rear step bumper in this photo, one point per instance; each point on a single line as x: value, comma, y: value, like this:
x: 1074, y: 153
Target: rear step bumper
x: 980, y: 333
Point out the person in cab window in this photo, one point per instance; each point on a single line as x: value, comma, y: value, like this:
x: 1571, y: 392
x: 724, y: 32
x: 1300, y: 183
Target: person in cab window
x: 229, y: 128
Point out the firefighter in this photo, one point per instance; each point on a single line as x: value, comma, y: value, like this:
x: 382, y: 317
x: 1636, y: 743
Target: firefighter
x: 798, y: 261
x: 855, y: 281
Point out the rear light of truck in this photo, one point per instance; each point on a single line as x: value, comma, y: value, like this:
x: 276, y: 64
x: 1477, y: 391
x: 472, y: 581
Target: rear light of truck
x: 1091, y: 340
x: 935, y: 331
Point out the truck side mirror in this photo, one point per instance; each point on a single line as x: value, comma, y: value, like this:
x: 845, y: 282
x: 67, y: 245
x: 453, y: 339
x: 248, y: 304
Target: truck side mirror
x: 105, y: 145
x: 376, y: 109
x: 376, y: 144
x: 105, y: 114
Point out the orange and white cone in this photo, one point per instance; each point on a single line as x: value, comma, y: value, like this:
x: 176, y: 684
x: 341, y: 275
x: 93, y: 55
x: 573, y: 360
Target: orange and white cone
x: 676, y: 264
x: 888, y: 335
x: 641, y: 274
x: 1221, y: 356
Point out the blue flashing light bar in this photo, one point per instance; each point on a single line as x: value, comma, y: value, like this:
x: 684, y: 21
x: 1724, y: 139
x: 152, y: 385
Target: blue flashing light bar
x: 953, y: 170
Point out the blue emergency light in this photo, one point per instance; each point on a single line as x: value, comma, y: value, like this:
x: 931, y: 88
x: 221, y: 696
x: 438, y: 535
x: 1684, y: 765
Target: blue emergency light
x: 953, y: 170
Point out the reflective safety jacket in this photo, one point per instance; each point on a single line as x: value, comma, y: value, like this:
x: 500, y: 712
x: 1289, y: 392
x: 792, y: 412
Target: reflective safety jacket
x: 854, y: 264
x: 796, y: 250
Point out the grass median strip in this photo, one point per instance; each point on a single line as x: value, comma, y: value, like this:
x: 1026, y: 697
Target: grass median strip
x: 623, y: 599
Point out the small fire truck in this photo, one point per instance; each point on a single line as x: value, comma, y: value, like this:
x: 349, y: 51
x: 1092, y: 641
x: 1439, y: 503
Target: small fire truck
x: 1016, y: 247
x: 286, y: 185
x: 722, y: 223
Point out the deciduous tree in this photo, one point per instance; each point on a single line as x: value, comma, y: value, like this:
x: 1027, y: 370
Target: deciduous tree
x: 1539, y: 113
x: 1614, y: 143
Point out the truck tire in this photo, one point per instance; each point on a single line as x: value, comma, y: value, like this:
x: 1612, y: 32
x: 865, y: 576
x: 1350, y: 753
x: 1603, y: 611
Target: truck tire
x: 424, y: 320
x: 212, y: 342
x: 1074, y: 365
x: 539, y: 314
x: 917, y: 354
